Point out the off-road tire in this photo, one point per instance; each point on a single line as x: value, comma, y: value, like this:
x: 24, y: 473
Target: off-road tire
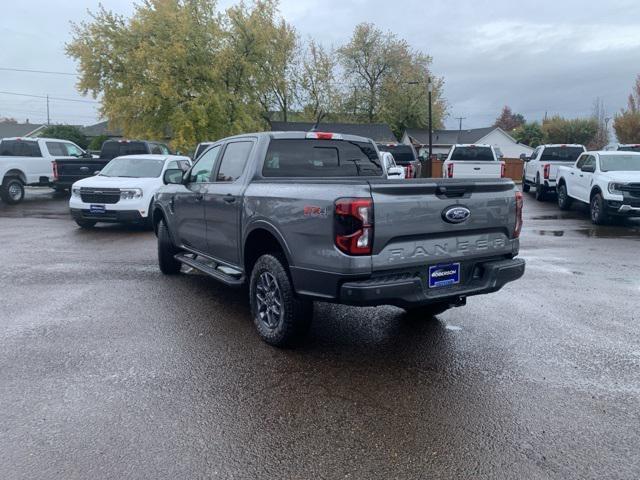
x: 12, y: 190
x: 564, y: 200
x: 597, y: 210
x: 295, y: 314
x: 167, y: 251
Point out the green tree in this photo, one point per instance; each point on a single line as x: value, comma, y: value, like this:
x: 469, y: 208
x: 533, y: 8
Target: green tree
x: 627, y: 123
x: 576, y: 130
x: 317, y: 83
x: 529, y: 134
x: 509, y: 121
x: 66, y: 132
x: 96, y: 142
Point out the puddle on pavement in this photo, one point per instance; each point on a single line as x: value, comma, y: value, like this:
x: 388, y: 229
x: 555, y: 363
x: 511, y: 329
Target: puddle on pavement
x: 555, y: 217
x: 551, y: 233
x: 610, y: 232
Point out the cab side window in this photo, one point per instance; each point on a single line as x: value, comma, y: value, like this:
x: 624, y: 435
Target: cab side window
x: 581, y: 160
x: 72, y: 150
x: 56, y: 149
x: 233, y: 161
x: 202, y: 170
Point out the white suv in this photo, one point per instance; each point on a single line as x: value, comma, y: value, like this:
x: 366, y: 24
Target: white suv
x: 123, y: 191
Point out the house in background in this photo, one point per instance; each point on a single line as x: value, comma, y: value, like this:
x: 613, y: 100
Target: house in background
x: 101, y: 128
x: 13, y: 129
x: 378, y: 132
x: 444, y: 139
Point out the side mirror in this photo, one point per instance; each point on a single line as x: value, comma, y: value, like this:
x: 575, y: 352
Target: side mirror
x: 97, y: 172
x: 589, y: 168
x: 172, y: 176
x: 524, y: 158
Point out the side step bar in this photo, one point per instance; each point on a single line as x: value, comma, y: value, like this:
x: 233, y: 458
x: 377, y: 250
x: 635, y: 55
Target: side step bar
x: 212, y: 271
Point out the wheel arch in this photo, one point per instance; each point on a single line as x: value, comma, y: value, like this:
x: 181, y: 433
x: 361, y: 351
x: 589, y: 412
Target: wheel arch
x: 15, y: 173
x: 260, y: 238
x: 595, y: 190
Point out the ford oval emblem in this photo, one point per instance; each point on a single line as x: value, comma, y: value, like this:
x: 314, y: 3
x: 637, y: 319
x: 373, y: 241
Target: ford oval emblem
x: 456, y: 214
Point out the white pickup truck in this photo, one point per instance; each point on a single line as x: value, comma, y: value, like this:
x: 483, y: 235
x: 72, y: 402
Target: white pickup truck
x: 28, y: 161
x: 472, y: 161
x: 540, y: 170
x: 609, y: 181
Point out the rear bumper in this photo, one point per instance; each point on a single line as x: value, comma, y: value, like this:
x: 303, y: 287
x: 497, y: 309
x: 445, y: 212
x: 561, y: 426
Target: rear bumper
x: 110, y: 216
x: 408, y: 288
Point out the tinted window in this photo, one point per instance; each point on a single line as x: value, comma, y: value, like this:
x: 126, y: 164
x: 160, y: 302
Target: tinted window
x: 629, y: 148
x: 201, y: 148
x: 56, y: 149
x: 620, y: 163
x: 116, y: 149
x: 403, y: 154
x: 19, y: 148
x: 155, y: 148
x: 201, y: 171
x: 181, y: 164
x: 321, y: 158
x: 581, y: 161
x: 472, y: 153
x: 561, y: 154
x: 131, y: 167
x: 233, y: 161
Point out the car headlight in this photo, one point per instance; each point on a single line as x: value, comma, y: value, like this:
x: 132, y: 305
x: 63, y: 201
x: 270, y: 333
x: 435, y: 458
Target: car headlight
x: 615, y: 187
x: 130, y: 194
x: 75, y: 191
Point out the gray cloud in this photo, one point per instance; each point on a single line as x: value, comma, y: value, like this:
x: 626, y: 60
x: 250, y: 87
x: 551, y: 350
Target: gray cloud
x: 538, y: 57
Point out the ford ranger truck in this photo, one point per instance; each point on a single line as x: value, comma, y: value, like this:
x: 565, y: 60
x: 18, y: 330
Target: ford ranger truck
x: 541, y: 169
x: 309, y: 216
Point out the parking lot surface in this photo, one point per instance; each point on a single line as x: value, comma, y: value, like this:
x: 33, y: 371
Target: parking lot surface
x: 110, y: 370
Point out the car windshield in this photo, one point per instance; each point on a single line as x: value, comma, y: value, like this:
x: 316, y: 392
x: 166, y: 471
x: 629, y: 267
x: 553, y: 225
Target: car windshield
x: 132, y: 167
x: 403, y: 154
x: 629, y: 148
x: 561, y: 154
x: 620, y: 163
x: 472, y: 153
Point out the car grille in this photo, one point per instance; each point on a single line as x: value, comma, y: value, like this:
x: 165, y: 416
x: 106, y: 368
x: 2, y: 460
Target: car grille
x: 100, y: 195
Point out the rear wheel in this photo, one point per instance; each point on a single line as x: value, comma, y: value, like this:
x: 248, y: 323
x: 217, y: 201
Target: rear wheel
x: 280, y: 317
x: 525, y: 186
x: 167, y: 251
x: 85, y: 223
x: 541, y: 191
x: 564, y: 200
x: 598, y: 210
x: 428, y: 311
x: 12, y: 190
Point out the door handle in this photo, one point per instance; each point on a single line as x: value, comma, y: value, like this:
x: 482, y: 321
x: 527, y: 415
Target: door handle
x: 572, y: 173
x: 229, y: 198
x: 581, y: 175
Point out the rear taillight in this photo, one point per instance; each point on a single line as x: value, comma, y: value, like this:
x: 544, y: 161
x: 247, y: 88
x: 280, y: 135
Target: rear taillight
x: 546, y: 170
x: 502, y: 170
x: 354, y: 225
x: 409, y: 171
x: 450, y: 170
x: 54, y: 164
x: 519, y: 204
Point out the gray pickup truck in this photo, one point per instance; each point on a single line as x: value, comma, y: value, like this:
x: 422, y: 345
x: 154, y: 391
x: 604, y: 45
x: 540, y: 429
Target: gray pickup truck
x: 304, y: 216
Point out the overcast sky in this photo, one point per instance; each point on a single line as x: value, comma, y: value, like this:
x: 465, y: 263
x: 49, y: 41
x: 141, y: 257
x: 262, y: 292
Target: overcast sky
x: 536, y: 56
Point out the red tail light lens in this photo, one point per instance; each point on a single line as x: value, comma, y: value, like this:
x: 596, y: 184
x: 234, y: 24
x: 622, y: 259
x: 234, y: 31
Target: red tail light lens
x: 519, y: 204
x: 54, y: 164
x: 502, y: 170
x: 354, y: 225
x: 450, y: 170
x: 409, y: 173
x: 547, y: 169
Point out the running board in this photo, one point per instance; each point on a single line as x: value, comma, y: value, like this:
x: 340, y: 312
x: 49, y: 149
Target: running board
x: 228, y: 276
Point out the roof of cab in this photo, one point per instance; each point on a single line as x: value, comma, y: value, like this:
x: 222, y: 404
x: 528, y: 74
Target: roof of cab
x: 154, y: 156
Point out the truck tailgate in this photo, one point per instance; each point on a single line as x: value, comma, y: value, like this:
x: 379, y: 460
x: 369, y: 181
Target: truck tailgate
x: 71, y: 170
x: 411, y: 228
x: 476, y: 169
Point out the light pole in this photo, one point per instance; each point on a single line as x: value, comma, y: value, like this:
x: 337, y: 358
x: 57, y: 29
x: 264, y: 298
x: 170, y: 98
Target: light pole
x: 429, y: 90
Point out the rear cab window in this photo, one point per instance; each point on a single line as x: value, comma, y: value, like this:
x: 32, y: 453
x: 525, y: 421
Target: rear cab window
x: 321, y: 158
x: 119, y: 148
x: 403, y: 154
x: 473, y: 154
x: 561, y: 154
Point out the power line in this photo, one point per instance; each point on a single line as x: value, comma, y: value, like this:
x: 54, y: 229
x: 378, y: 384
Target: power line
x: 460, y: 120
x: 51, y: 98
x: 8, y: 69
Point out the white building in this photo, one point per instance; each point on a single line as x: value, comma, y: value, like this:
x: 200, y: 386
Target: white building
x: 444, y: 139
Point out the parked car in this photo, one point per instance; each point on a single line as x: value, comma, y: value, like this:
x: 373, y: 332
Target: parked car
x: 624, y: 147
x: 405, y: 156
x: 391, y: 170
x: 69, y: 170
x: 28, y: 161
x: 472, y: 161
x: 608, y: 181
x: 123, y: 191
x: 303, y: 216
x: 540, y: 170
x: 200, y: 149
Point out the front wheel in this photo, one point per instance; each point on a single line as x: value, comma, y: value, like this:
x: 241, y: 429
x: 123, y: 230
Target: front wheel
x: 280, y: 317
x: 598, y: 210
x: 564, y: 200
x: 167, y: 251
x: 12, y: 191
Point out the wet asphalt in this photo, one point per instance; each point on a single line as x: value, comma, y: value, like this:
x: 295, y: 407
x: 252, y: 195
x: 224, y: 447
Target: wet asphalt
x: 110, y: 370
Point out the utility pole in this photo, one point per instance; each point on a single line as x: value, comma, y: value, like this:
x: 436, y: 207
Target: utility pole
x: 48, y: 119
x: 430, y: 90
x: 460, y: 122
